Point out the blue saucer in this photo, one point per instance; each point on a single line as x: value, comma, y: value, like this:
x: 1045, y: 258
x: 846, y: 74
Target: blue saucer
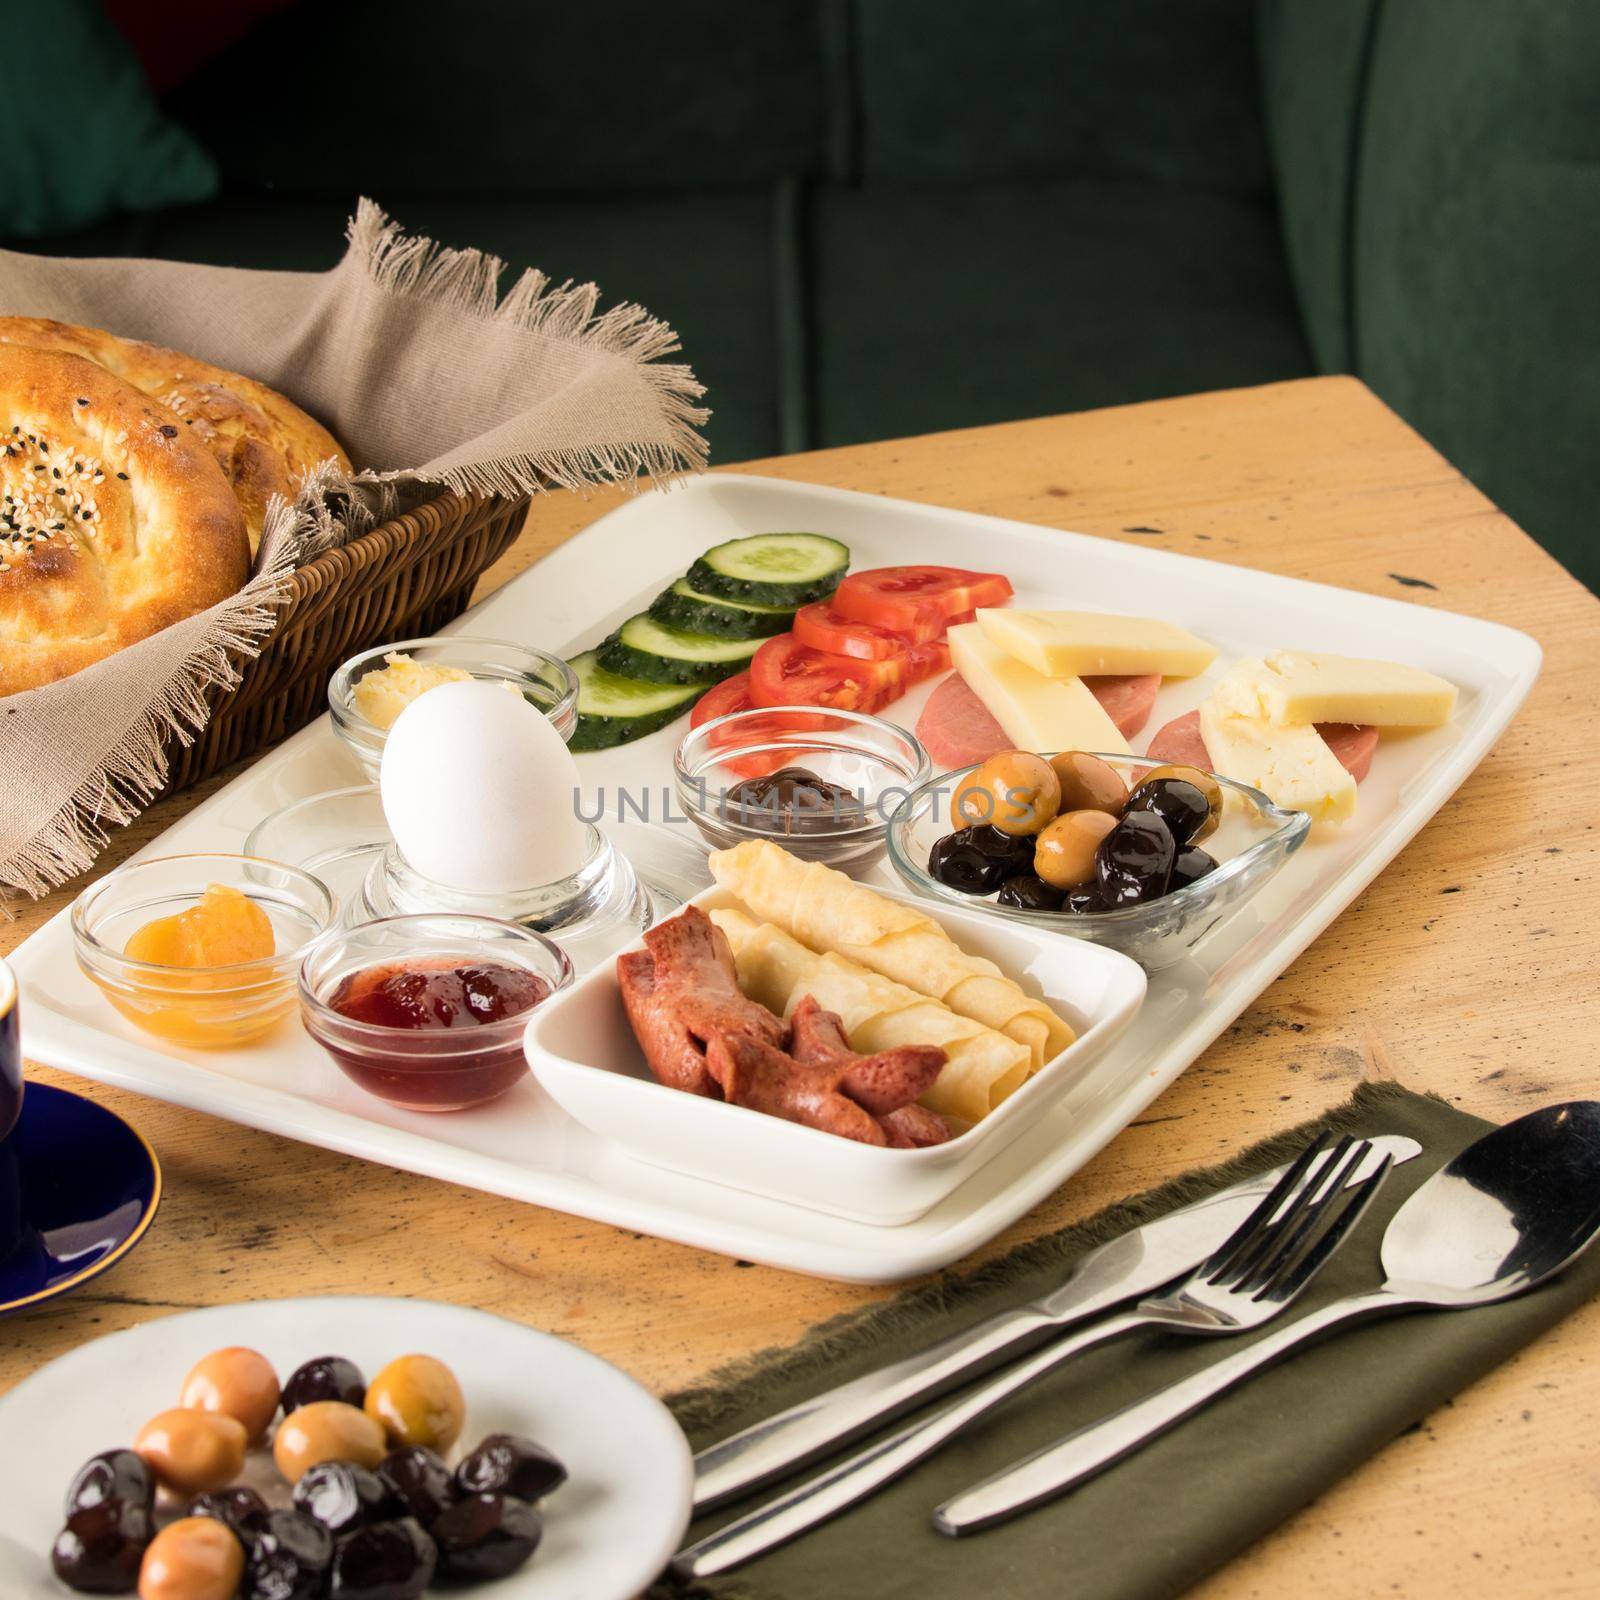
x: 86, y: 1186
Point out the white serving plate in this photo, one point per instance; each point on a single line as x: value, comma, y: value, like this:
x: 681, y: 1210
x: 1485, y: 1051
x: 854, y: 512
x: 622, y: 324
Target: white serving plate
x: 608, y: 1530
x: 527, y: 1148
x: 585, y: 1057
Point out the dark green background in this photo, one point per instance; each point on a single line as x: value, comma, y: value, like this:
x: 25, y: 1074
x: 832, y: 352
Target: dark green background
x: 869, y: 218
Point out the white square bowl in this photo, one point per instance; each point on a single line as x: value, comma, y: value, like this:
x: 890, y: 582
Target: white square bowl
x: 584, y: 1055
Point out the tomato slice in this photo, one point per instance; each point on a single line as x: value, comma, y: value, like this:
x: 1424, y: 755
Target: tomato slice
x: 732, y: 694
x: 785, y: 672
x: 919, y: 602
x: 824, y: 627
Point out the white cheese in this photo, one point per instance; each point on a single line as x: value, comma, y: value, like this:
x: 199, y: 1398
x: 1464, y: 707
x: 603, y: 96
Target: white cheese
x: 1075, y: 644
x: 1302, y: 687
x: 1288, y: 762
x: 1037, y: 712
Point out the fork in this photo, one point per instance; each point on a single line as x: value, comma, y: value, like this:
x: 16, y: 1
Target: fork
x: 1245, y: 1282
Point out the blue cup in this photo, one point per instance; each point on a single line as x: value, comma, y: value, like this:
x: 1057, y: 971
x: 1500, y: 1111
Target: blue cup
x: 10, y: 1111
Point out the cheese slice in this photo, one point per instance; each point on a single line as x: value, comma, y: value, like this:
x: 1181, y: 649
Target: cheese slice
x: 1302, y: 687
x: 1037, y: 712
x: 1289, y: 763
x: 1077, y: 644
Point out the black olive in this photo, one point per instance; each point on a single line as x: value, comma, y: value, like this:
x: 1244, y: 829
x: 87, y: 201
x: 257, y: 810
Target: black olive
x: 238, y: 1508
x: 506, y: 1463
x: 343, y: 1496
x: 1189, y: 866
x: 1133, y: 863
x: 1180, y: 804
x: 487, y: 1536
x: 99, y: 1550
x: 111, y: 1475
x: 386, y: 1561
x: 324, y: 1378
x: 1015, y: 850
x: 955, y: 860
x: 287, y: 1556
x: 1029, y: 893
x: 419, y: 1480
x: 1085, y: 900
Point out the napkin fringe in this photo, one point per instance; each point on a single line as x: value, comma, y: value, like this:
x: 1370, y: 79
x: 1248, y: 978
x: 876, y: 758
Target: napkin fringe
x: 135, y: 769
x: 737, y: 1388
x: 415, y: 267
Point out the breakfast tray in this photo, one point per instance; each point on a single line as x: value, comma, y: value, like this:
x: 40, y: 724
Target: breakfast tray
x: 405, y: 578
x: 526, y: 1147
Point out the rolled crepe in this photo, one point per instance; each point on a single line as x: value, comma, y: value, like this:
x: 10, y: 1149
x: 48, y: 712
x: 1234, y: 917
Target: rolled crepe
x: 981, y: 1067
x: 830, y: 912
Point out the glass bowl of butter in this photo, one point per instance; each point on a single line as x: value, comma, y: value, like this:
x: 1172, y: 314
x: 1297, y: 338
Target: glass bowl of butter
x: 370, y: 690
x: 1253, y: 839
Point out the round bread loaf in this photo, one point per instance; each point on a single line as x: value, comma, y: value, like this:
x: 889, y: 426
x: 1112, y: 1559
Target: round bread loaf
x: 263, y: 443
x: 115, y: 521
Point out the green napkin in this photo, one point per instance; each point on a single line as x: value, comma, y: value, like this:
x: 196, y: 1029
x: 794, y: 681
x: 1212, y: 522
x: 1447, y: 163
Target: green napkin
x: 1161, y: 1520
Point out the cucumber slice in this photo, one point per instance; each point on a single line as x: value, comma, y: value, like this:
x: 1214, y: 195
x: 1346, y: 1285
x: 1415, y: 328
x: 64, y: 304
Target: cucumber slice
x: 645, y: 648
x: 613, y: 710
x: 683, y: 606
x: 777, y: 569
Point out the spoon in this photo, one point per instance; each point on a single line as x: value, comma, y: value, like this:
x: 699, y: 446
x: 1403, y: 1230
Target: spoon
x: 1505, y: 1214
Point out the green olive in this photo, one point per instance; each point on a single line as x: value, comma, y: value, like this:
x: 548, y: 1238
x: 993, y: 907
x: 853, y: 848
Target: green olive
x: 1063, y: 855
x: 1015, y: 791
x: 1088, y: 783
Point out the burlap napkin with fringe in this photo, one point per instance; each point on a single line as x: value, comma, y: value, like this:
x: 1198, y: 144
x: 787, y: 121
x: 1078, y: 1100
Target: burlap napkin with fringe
x: 426, y: 374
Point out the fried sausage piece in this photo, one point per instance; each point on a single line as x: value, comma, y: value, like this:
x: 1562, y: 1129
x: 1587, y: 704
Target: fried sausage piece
x: 695, y: 974
x: 756, y: 1075
x: 913, y: 1127
x: 674, y: 1056
x: 880, y: 1083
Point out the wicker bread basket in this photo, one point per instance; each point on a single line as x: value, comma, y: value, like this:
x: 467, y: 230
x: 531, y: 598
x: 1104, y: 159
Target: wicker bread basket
x: 405, y: 577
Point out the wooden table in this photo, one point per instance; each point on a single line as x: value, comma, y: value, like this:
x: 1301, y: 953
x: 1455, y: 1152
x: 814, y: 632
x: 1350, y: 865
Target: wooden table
x: 1467, y: 969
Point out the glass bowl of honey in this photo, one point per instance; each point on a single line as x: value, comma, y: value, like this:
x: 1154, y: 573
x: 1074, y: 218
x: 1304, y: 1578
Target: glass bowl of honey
x: 201, y: 950
x: 427, y: 1011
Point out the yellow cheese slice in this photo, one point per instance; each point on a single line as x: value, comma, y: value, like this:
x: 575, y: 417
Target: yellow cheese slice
x: 1077, y: 644
x: 1288, y: 762
x: 1036, y: 712
x: 1299, y: 686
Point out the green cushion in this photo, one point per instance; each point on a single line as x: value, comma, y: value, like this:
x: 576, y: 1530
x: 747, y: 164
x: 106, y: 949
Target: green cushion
x: 1477, y: 252
x: 952, y: 91
x: 494, y: 99
x: 84, y: 137
x: 940, y: 310
x: 701, y: 262
x: 1313, y: 76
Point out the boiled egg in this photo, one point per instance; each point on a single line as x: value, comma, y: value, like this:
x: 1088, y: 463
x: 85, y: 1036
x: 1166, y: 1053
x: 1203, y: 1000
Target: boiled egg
x: 479, y: 791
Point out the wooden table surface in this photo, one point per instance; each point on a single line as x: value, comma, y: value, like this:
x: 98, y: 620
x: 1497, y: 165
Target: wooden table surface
x: 1467, y: 968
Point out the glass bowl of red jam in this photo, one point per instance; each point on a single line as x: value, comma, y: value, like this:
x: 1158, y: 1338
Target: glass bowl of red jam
x: 428, y: 1011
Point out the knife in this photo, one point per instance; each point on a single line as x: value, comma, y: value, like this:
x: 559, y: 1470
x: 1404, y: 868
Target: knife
x: 1128, y: 1267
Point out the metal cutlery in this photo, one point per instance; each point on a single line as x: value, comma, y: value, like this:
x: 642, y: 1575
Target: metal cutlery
x: 1133, y: 1264
x: 1256, y: 1271
x: 1505, y: 1214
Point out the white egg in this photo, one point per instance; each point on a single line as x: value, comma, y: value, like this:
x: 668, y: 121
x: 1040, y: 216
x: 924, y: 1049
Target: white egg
x: 478, y: 789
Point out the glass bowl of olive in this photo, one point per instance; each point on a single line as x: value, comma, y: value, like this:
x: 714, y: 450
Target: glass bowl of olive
x: 1145, y: 857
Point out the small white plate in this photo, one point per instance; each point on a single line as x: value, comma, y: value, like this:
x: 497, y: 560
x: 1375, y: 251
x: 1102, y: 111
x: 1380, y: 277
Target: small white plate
x: 585, y: 1057
x: 608, y: 1531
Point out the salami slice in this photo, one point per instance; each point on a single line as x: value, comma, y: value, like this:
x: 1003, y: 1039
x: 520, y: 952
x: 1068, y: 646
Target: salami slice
x: 1128, y: 701
x: 1179, y: 742
x: 956, y: 728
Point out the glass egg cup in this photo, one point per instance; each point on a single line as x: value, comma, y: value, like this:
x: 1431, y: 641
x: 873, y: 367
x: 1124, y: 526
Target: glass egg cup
x: 1256, y: 836
x: 427, y: 1069
x: 208, y: 1007
x: 543, y: 679
x: 877, y: 761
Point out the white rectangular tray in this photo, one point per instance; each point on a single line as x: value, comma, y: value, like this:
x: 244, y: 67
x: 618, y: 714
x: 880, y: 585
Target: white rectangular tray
x: 525, y: 1147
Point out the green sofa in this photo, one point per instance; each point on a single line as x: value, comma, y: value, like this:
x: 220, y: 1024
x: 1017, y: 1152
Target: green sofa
x: 869, y: 218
